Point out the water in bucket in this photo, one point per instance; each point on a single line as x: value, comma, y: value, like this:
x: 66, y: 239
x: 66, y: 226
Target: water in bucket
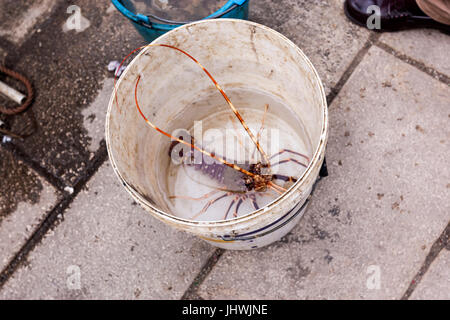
x: 176, y: 10
x: 209, y: 190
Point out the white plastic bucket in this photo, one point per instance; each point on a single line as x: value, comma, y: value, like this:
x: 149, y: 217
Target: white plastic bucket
x: 237, y: 53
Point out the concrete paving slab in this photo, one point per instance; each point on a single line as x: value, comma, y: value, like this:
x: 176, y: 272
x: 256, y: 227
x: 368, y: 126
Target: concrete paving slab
x: 67, y: 69
x: 25, y: 199
x: 430, y: 47
x: 435, y: 285
x: 372, y: 221
x: 18, y: 18
x: 113, y: 247
x: 319, y: 28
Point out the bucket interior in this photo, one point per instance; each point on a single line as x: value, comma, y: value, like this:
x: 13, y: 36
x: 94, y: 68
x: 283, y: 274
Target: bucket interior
x: 256, y: 67
x: 175, y: 10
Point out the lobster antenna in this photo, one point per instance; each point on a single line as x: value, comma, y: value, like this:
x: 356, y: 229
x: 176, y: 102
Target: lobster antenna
x: 233, y: 108
x: 231, y: 165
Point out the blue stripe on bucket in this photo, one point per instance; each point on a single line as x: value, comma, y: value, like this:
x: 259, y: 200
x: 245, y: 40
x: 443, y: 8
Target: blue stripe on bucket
x: 245, y: 236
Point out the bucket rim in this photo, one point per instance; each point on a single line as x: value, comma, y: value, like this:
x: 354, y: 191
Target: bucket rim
x: 307, y: 176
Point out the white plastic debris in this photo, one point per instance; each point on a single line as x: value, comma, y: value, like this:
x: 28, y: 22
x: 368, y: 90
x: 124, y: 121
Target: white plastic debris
x: 121, y: 69
x: 69, y: 190
x: 6, y: 139
x: 115, y: 66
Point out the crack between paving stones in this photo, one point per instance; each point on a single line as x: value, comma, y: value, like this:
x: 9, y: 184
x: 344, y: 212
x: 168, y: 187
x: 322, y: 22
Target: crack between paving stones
x: 373, y: 38
x: 441, y: 243
x: 53, y: 217
x: 418, y: 65
x: 19, y: 154
x: 192, y: 292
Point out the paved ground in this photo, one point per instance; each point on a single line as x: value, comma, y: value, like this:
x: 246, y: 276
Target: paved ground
x: 377, y: 227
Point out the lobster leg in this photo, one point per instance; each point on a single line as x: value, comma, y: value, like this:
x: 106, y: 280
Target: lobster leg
x: 255, y: 204
x: 291, y: 152
x: 229, y: 208
x: 289, y: 160
x: 237, y: 207
x: 205, y: 196
x: 210, y: 203
x: 284, y: 178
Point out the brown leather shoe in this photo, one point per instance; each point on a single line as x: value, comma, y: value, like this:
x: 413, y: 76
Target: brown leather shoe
x: 394, y: 15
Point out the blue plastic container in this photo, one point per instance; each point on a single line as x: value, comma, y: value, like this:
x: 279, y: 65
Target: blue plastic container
x: 151, y: 30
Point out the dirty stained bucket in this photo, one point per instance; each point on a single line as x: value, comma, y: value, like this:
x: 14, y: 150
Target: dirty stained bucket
x: 256, y: 66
